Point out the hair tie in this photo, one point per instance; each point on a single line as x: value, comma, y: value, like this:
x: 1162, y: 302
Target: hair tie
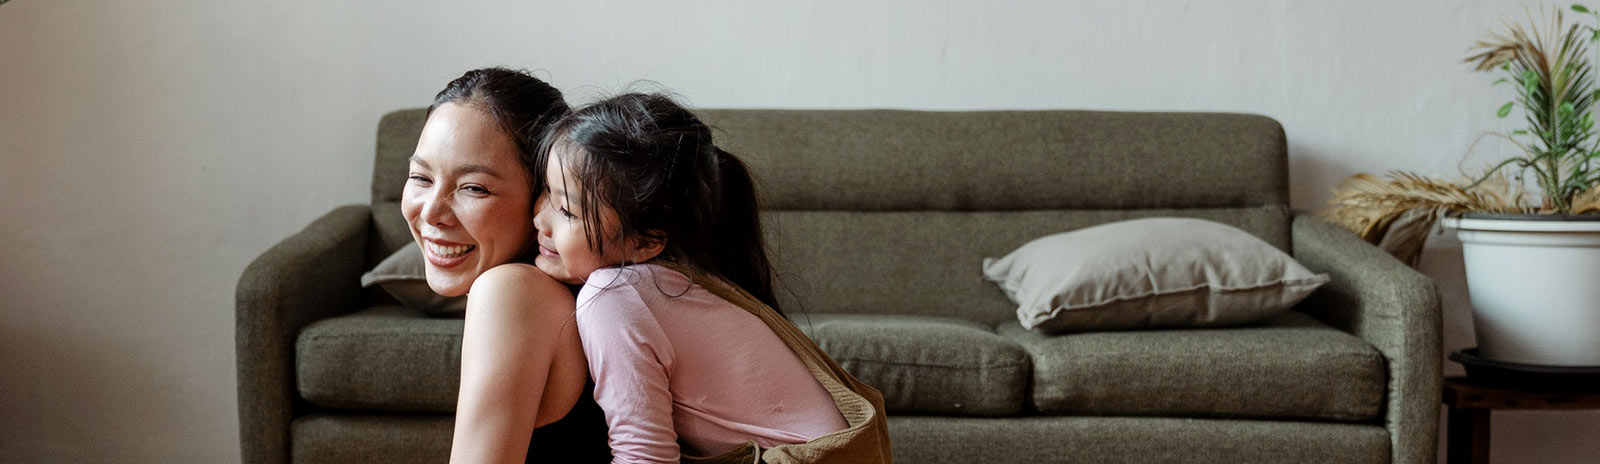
x: 672, y: 160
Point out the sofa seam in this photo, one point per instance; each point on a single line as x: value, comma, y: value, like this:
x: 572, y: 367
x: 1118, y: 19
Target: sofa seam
x: 895, y: 363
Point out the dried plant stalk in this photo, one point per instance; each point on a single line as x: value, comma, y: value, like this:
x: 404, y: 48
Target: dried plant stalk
x: 1587, y: 201
x: 1407, y: 234
x: 1398, y: 214
x: 1547, y: 64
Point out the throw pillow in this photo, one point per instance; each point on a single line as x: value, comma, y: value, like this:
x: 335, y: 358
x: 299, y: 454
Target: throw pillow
x: 1149, y: 273
x: 403, y: 276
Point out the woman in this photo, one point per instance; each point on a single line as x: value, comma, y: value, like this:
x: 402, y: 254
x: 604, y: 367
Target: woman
x: 469, y: 201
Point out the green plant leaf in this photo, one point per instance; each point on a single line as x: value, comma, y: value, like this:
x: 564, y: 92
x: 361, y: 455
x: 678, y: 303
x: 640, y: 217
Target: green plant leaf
x: 1580, y: 8
x: 1504, y: 80
x: 1519, y: 132
x: 1504, y: 109
x: 1521, y: 163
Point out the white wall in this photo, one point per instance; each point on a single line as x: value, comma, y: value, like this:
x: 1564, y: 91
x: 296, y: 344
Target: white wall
x: 151, y: 149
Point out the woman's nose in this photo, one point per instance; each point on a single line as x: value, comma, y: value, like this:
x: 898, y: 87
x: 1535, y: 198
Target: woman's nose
x: 437, y: 211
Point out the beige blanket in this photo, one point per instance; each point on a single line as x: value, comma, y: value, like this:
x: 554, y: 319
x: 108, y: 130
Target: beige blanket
x: 865, y: 440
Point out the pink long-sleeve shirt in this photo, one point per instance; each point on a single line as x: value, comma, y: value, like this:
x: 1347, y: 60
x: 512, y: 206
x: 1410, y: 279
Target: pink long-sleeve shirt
x: 673, y: 363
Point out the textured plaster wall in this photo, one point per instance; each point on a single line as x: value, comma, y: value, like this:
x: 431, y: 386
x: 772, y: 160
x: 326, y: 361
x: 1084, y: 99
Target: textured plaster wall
x: 149, y: 150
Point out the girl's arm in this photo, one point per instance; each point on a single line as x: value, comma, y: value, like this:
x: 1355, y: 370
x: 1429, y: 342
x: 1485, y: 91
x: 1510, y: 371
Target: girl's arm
x: 631, y: 360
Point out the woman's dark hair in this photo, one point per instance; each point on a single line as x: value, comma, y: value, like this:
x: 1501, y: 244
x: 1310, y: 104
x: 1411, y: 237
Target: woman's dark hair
x: 523, y: 105
x: 653, y: 162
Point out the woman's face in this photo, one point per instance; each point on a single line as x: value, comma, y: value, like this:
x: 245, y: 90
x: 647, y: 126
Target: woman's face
x: 467, y: 199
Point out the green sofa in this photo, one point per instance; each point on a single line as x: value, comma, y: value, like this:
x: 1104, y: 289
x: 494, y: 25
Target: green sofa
x: 878, y: 221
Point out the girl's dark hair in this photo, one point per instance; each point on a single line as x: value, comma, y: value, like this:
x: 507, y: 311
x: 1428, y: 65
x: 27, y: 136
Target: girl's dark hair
x: 522, y: 104
x: 653, y: 162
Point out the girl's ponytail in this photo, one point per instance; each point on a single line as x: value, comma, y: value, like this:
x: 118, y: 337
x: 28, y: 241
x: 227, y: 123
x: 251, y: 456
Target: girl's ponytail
x: 744, y: 258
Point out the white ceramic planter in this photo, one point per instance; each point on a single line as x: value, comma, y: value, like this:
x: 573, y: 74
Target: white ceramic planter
x: 1535, y: 289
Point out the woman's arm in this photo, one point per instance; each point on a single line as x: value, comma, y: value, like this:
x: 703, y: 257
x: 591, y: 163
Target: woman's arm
x: 631, y: 361
x: 522, y: 364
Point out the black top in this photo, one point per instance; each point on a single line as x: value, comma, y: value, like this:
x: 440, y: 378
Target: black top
x: 579, y: 437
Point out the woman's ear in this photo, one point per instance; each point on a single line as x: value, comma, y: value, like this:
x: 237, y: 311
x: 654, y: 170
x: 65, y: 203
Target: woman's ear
x: 646, y: 246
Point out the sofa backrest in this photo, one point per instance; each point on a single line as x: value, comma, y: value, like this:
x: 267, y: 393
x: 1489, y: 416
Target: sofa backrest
x: 397, y: 140
x: 887, y: 211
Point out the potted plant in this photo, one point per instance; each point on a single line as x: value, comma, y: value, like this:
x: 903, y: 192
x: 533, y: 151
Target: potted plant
x: 1528, y: 224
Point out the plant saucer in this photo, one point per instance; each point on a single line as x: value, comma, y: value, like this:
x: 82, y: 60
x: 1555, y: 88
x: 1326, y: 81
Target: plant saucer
x: 1489, y: 371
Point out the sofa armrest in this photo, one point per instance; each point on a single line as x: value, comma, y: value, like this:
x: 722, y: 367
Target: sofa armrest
x: 1393, y: 307
x: 314, y: 274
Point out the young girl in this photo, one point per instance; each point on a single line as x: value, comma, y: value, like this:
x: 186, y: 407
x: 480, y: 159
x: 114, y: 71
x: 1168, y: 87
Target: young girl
x: 677, y: 314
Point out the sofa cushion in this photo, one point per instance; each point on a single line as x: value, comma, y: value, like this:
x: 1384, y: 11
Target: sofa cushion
x: 923, y: 364
x: 1133, y: 440
x: 1289, y: 366
x: 1149, y: 273
x: 385, y: 438
x: 386, y: 358
x: 895, y: 160
x: 970, y: 160
x: 392, y: 358
x: 926, y: 262
x: 404, y: 276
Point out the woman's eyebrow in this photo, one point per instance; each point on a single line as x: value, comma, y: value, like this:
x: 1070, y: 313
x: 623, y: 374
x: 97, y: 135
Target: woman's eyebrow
x: 477, y: 168
x: 462, y: 169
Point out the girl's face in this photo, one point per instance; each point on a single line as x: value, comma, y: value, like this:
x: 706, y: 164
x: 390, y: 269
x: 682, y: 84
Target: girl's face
x: 563, y: 238
x: 467, y: 197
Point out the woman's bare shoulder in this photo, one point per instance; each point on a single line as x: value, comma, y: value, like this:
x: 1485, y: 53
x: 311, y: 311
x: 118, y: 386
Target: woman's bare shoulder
x: 516, y: 281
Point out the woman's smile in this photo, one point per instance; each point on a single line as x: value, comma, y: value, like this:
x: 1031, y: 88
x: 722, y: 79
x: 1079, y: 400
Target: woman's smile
x: 446, y: 254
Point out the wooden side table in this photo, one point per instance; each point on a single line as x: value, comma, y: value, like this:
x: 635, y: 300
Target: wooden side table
x: 1469, y: 403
